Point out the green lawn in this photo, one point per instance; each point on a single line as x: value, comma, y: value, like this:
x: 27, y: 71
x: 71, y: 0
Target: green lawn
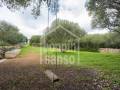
x: 108, y: 63
x: 29, y: 49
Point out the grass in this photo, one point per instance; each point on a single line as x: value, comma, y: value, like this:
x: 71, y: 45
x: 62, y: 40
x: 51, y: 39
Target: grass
x: 29, y: 49
x: 108, y: 63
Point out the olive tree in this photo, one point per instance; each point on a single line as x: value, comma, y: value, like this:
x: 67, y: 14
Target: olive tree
x: 62, y: 32
x: 105, y: 13
x: 35, y: 40
x: 10, y: 34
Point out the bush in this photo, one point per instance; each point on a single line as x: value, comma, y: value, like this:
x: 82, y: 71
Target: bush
x: 35, y: 40
x: 96, y: 41
x: 2, y: 43
x: 35, y: 44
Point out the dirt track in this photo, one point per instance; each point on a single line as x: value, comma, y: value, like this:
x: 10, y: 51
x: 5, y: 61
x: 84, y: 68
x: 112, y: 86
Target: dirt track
x: 26, y: 73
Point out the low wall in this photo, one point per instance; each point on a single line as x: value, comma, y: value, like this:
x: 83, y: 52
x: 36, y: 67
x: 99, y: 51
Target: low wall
x: 12, y: 53
x: 109, y: 50
x: 3, y: 49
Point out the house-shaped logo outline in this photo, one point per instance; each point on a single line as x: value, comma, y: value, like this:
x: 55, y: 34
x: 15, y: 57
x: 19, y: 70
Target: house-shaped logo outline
x: 66, y: 30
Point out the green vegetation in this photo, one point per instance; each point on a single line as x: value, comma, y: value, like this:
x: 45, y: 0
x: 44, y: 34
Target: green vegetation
x: 28, y: 49
x: 107, y: 63
x: 59, y: 35
x: 35, y: 5
x: 105, y: 13
x: 10, y: 35
x: 96, y: 41
x: 35, y: 40
x: 65, y: 31
x: 86, y: 42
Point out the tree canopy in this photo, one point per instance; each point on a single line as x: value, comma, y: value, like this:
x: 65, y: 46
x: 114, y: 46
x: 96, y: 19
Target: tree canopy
x: 96, y: 41
x: 10, y: 34
x: 106, y: 14
x: 63, y: 31
x: 34, y: 4
x: 35, y: 40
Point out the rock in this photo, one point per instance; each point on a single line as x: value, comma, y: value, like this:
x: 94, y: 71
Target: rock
x: 2, y: 60
x: 53, y: 77
x: 12, y: 53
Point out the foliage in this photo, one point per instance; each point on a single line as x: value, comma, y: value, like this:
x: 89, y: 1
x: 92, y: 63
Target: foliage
x: 9, y: 34
x: 91, y: 41
x: 96, y: 41
x: 34, y: 4
x: 106, y: 13
x: 29, y: 49
x: 2, y: 43
x: 35, y: 40
x: 63, y: 31
x: 107, y: 63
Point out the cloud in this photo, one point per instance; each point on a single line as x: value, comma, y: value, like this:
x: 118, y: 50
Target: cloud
x: 27, y: 24
x: 75, y: 11
x: 69, y: 10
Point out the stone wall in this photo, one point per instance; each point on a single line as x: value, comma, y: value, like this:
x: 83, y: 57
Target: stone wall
x: 4, y: 49
x: 12, y: 53
x: 109, y: 50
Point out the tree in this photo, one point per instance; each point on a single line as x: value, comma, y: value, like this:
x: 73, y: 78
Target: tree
x: 9, y: 34
x: 106, y: 14
x: 114, y: 40
x: 35, y: 40
x: 96, y: 41
x: 34, y: 4
x: 63, y: 32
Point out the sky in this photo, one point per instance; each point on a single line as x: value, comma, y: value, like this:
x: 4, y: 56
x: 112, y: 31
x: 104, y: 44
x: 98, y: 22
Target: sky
x: 69, y: 10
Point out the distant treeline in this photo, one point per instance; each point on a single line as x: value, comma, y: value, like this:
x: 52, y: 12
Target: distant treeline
x: 66, y: 32
x: 96, y: 41
x: 35, y: 40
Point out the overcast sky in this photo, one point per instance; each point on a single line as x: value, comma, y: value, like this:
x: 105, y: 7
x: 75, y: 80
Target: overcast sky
x: 72, y: 11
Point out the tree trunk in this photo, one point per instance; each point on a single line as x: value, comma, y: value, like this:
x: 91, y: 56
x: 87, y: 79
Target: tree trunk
x: 62, y: 49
